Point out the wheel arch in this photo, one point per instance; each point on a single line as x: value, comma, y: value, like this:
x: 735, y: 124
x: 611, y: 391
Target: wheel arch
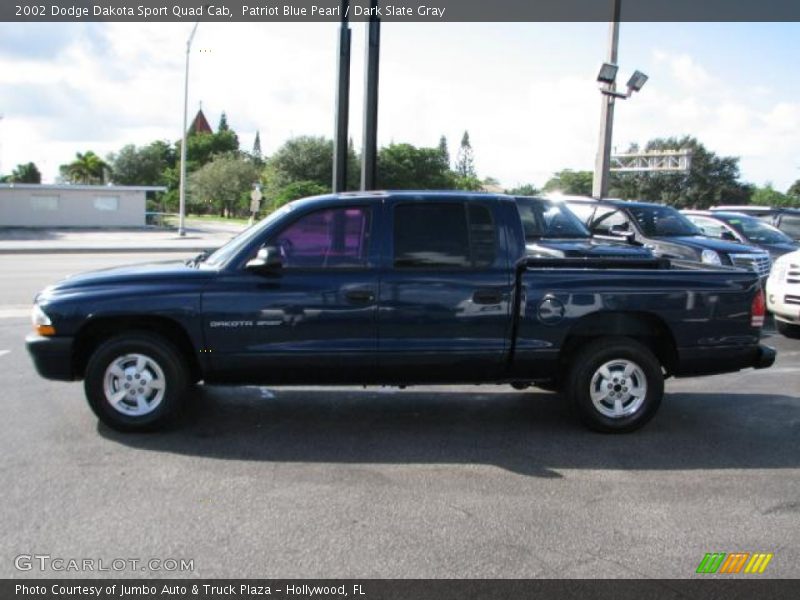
x: 646, y: 328
x: 99, y: 329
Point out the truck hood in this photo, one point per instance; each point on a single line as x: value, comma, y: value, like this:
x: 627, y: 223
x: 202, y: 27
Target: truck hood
x: 567, y: 248
x: 701, y: 243
x: 172, y: 271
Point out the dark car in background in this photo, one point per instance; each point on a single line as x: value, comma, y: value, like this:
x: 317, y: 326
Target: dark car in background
x: 666, y: 232
x: 736, y: 227
x: 551, y: 229
x: 785, y: 219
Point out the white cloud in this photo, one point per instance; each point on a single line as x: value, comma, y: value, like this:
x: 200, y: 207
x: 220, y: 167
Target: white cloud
x: 528, y: 114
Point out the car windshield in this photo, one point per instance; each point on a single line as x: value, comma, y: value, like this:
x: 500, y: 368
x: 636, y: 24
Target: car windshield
x: 232, y: 248
x: 662, y: 221
x: 543, y: 218
x: 757, y: 231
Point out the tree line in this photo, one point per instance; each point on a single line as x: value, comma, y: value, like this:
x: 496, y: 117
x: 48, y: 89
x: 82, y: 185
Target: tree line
x: 221, y: 174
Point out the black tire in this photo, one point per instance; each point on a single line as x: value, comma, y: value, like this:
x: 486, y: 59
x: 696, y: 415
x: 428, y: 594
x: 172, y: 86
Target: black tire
x: 788, y: 329
x: 163, y: 361
x: 585, y: 377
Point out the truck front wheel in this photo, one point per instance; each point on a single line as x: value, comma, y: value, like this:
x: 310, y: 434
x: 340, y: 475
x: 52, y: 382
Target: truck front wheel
x: 135, y: 382
x: 615, y: 384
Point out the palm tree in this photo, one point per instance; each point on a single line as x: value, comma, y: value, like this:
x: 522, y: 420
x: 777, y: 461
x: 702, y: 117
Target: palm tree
x: 86, y: 168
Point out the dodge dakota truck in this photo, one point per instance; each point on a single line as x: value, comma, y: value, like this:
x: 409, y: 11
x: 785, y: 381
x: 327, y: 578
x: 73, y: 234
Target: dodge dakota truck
x: 395, y: 288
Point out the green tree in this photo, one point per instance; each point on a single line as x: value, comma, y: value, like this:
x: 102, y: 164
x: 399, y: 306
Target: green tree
x: 444, y: 151
x: 794, y: 190
x: 711, y: 179
x: 257, y: 147
x: 201, y: 148
x: 25, y: 173
x: 769, y: 196
x: 295, y: 190
x: 465, y: 160
x: 405, y: 167
x: 307, y: 158
x: 223, y: 186
x: 569, y: 182
x: 87, y: 168
x: 146, y: 165
x: 223, y: 123
x: 526, y: 189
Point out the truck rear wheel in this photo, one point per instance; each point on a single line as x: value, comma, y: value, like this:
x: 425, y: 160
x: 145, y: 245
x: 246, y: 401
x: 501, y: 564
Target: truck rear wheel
x: 135, y: 382
x: 615, y: 384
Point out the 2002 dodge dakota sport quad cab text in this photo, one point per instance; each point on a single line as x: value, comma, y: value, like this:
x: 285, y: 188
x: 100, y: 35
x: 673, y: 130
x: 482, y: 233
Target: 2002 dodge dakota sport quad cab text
x: 395, y: 288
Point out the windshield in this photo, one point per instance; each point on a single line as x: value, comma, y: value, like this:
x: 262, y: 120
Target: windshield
x: 662, y: 221
x: 232, y: 248
x: 757, y: 231
x: 549, y: 219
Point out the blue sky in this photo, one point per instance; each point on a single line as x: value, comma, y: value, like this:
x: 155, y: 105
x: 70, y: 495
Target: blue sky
x: 525, y: 91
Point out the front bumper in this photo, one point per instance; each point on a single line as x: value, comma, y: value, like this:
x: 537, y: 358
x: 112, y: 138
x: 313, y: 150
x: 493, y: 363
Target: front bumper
x: 725, y: 359
x: 52, y: 356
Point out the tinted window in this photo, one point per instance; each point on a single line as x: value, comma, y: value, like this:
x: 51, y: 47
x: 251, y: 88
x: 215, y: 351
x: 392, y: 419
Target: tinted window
x: 790, y: 224
x: 332, y: 238
x: 443, y: 236
x: 583, y: 210
x: 662, y: 221
x: 547, y: 219
x: 482, y: 236
x: 608, y: 218
x: 757, y: 231
x: 709, y: 227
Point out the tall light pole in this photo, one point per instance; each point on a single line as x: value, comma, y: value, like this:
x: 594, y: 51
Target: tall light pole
x: 342, y: 104
x: 182, y: 206
x: 603, y: 161
x: 369, y: 156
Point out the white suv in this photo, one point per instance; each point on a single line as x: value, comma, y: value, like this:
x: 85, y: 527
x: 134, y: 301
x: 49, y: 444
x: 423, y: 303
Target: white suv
x: 783, y: 294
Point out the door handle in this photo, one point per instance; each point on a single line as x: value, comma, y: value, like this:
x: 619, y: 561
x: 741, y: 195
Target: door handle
x: 360, y: 296
x: 487, y: 297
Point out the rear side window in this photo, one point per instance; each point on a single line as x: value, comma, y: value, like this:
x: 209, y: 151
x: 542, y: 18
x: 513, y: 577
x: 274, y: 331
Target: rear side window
x: 790, y: 225
x: 444, y: 235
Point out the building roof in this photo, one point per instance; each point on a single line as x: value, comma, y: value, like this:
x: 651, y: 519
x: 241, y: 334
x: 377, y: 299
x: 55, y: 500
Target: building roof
x: 200, y: 124
x: 82, y: 187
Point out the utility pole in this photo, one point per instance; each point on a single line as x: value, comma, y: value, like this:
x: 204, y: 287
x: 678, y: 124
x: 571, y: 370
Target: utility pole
x: 603, y: 161
x: 340, y: 136
x: 369, y: 156
x: 182, y: 192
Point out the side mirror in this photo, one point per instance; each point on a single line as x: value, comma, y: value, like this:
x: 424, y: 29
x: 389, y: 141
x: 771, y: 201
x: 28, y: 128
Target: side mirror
x: 267, y: 259
x: 728, y: 236
x: 620, y: 230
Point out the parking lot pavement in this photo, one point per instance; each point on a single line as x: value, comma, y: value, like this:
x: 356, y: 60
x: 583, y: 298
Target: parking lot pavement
x: 459, y: 481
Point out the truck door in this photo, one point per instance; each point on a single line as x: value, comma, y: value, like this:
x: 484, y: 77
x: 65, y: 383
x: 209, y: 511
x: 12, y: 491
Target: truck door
x: 313, y: 320
x: 445, y: 292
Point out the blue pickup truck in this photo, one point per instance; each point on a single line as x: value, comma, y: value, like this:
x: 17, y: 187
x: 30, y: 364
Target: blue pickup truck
x: 395, y: 288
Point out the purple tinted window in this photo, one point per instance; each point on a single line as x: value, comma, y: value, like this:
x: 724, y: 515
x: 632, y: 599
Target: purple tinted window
x: 332, y: 238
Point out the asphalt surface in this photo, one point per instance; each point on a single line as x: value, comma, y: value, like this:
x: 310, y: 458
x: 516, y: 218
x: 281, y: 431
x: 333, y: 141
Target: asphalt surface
x: 427, y: 482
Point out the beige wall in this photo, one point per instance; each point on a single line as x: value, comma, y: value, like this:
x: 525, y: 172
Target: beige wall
x: 75, y: 208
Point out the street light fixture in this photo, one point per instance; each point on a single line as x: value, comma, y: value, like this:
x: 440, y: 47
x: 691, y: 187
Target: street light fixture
x: 182, y: 193
x: 608, y: 76
x: 608, y: 73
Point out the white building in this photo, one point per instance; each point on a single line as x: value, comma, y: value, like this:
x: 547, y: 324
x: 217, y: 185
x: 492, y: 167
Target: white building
x: 35, y: 205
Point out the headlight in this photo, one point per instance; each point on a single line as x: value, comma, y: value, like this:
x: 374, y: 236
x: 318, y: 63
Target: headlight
x: 710, y: 257
x: 41, y: 322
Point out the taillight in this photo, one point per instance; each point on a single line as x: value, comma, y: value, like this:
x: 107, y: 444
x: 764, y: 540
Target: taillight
x: 758, y: 309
